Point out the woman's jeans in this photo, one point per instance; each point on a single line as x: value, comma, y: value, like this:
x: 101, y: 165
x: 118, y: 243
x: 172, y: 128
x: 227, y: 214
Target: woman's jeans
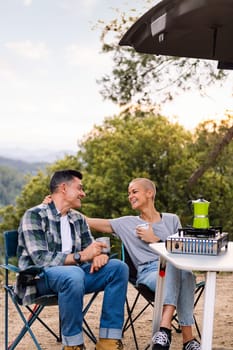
x: 70, y: 283
x: 179, y: 288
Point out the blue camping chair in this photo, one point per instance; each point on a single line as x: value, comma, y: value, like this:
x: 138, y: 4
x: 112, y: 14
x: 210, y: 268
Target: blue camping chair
x: 10, y: 248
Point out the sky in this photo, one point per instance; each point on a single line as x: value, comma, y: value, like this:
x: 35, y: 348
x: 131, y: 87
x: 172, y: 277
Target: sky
x: 49, y: 62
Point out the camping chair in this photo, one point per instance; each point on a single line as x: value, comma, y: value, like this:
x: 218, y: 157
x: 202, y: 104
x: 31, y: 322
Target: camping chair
x: 149, y: 296
x: 10, y: 247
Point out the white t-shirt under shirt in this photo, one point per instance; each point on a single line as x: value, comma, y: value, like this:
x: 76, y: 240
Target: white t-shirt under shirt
x: 65, y: 235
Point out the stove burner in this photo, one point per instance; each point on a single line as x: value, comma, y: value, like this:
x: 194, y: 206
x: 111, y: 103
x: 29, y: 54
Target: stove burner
x: 199, y: 232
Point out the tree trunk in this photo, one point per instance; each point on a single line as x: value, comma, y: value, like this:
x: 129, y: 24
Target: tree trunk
x: 197, y: 174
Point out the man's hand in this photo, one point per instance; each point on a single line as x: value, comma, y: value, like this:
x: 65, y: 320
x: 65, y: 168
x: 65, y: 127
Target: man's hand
x: 92, y: 251
x: 98, y: 262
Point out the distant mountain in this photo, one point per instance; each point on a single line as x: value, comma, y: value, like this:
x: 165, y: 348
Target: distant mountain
x: 33, y: 156
x: 21, y: 166
x: 12, y: 177
x: 13, y: 171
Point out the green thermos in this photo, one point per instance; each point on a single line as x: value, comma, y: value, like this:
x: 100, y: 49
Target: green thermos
x: 201, y: 218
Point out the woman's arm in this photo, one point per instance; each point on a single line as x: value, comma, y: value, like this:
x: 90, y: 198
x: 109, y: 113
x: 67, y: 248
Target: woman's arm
x: 101, y: 225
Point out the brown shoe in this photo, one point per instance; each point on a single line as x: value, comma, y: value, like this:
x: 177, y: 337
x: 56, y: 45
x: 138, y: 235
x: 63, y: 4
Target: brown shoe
x: 74, y: 347
x: 109, y: 344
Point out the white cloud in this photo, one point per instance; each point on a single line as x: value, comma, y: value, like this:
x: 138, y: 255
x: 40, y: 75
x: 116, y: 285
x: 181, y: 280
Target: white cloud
x: 27, y: 2
x: 6, y: 71
x: 86, y: 56
x: 28, y: 49
x: 86, y: 7
x: 77, y: 55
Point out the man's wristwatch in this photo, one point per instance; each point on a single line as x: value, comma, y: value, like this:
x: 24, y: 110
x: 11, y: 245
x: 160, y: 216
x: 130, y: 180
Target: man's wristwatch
x: 77, y: 258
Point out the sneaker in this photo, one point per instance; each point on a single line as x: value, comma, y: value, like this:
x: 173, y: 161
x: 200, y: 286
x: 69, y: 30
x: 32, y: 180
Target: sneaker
x: 192, y: 345
x: 161, y: 340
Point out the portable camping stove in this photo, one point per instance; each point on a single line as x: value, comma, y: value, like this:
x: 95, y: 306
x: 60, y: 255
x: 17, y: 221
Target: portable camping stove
x: 190, y: 240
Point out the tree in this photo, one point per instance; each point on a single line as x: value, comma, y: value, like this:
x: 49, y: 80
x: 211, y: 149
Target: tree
x: 11, y: 182
x: 149, y: 79
x: 216, y: 180
x: 212, y: 155
x: 146, y: 144
x: 141, y: 144
x: 134, y: 145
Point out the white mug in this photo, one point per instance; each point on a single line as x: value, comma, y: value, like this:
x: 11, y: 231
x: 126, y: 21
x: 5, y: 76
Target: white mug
x: 144, y: 226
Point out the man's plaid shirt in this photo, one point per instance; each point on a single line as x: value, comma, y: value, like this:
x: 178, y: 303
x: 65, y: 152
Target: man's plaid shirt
x: 40, y: 244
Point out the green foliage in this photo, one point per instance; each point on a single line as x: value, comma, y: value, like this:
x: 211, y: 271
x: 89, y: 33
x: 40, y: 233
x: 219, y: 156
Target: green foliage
x: 141, y: 144
x: 13, y: 176
x: 134, y: 145
x: 217, y: 183
x: 144, y: 144
x: 145, y: 78
x: 11, y: 183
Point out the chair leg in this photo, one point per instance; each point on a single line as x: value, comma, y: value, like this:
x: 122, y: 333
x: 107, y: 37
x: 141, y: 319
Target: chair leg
x: 131, y: 321
x: 198, y: 292
x: 6, y: 319
x: 34, y: 315
x: 176, y: 328
x: 130, y: 312
x: 26, y: 328
x: 127, y: 322
x: 86, y: 328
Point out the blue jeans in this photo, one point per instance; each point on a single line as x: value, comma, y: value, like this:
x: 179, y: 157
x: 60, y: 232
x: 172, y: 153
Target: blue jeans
x: 70, y: 283
x: 179, y: 288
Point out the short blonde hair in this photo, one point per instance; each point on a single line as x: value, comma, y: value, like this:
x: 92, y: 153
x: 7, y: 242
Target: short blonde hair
x: 146, y: 183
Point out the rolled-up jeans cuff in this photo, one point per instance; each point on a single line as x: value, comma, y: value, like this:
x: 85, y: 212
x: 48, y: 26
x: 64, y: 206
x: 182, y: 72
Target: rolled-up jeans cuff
x: 110, y: 333
x: 72, y: 340
x: 185, y: 323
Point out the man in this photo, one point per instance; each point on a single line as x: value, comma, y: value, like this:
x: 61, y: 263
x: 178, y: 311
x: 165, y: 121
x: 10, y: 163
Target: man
x: 56, y: 237
x: 180, y: 285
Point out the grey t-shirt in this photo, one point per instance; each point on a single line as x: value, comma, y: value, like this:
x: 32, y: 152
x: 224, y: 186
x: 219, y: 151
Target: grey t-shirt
x: 140, y: 251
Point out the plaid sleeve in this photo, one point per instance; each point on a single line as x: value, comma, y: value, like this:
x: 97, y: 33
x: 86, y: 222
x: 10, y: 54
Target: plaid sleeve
x: 33, y: 243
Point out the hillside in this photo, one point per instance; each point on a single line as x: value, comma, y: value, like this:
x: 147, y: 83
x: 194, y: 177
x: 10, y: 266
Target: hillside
x: 22, y: 166
x: 12, y: 177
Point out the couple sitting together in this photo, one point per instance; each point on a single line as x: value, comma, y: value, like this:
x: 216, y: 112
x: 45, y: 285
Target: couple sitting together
x: 56, y: 237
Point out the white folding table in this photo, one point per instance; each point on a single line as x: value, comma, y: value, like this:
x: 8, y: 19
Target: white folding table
x: 207, y: 263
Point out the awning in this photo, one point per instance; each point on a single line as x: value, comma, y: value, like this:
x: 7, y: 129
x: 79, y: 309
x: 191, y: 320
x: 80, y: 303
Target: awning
x: 185, y: 28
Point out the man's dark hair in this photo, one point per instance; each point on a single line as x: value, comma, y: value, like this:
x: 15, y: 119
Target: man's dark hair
x: 61, y: 176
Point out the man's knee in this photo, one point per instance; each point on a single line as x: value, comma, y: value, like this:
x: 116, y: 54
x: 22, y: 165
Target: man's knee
x: 119, y: 267
x: 66, y: 277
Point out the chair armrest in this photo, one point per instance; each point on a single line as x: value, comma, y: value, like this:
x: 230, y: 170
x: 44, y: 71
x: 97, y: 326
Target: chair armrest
x: 10, y: 267
x: 32, y: 270
x: 28, y: 276
x: 113, y: 256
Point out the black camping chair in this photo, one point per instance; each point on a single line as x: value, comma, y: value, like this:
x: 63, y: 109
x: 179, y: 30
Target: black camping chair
x: 149, y: 296
x: 10, y: 248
